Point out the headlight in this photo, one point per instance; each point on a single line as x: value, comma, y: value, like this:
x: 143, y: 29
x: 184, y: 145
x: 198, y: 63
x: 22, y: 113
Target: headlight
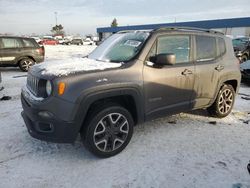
x: 239, y: 53
x: 48, y: 88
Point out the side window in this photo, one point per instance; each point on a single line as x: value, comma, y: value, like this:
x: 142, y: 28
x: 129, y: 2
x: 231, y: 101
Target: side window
x: 1, y: 45
x: 10, y: 43
x: 28, y: 43
x: 178, y: 45
x: 221, y: 46
x: 205, y: 48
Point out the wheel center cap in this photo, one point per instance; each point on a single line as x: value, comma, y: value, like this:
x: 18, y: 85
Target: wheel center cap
x: 110, y: 131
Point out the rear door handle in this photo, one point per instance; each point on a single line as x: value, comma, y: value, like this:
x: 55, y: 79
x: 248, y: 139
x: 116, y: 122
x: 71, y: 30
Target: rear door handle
x: 187, y: 72
x: 219, y: 68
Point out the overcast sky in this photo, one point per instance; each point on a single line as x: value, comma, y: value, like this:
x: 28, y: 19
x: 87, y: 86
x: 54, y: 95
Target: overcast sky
x: 84, y: 16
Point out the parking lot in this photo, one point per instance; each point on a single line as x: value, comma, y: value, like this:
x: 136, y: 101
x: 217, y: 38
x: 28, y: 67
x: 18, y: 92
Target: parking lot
x: 185, y: 150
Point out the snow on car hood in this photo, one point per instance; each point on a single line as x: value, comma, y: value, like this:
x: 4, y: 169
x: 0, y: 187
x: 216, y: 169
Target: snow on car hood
x: 74, y: 65
x: 245, y: 65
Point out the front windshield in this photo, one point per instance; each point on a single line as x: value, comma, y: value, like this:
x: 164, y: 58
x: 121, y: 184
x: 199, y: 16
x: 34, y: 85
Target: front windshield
x: 120, y: 47
x: 240, y: 42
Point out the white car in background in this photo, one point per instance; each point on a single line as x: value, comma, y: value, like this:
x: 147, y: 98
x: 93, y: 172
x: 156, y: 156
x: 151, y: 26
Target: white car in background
x: 88, y: 41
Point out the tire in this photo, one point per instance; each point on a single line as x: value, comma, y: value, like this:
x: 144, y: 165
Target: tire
x: 224, y: 102
x: 25, y: 64
x: 244, y: 58
x: 108, y: 130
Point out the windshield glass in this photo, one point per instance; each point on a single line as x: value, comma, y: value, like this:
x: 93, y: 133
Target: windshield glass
x: 240, y: 42
x: 120, y: 47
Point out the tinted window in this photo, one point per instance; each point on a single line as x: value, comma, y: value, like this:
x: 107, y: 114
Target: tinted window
x: 28, y: 43
x: 11, y: 43
x: 205, y: 48
x: 178, y: 45
x: 221, y: 46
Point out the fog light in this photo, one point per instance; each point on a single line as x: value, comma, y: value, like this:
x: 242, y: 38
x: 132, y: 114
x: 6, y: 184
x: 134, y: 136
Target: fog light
x: 45, y: 114
x: 44, y: 127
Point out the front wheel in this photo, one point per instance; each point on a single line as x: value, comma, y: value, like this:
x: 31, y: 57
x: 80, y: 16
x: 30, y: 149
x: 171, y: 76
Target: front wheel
x: 244, y: 58
x: 224, y: 102
x: 108, y: 131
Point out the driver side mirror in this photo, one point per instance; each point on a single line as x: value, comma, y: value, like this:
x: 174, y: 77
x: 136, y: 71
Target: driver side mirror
x: 164, y: 59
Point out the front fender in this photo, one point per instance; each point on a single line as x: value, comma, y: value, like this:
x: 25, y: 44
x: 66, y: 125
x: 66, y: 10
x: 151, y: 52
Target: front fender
x: 92, y: 95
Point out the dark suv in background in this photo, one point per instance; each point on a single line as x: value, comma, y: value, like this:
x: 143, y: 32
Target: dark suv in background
x: 130, y: 78
x: 242, y: 48
x: 20, y: 51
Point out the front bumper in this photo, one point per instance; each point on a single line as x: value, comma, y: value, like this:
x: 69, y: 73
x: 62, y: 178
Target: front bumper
x: 50, y: 129
x: 245, y: 75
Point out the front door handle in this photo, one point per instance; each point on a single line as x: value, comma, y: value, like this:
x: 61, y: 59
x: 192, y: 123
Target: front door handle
x: 187, y: 72
x: 219, y: 68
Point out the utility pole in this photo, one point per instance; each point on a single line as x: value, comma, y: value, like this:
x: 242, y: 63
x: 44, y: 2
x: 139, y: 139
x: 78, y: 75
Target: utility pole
x: 56, y: 17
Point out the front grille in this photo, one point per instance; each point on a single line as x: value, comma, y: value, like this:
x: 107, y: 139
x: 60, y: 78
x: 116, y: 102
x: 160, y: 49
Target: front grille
x: 33, y: 84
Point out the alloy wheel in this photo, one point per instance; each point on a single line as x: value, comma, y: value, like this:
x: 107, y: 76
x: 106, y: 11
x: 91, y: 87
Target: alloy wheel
x: 26, y: 64
x: 226, y: 101
x: 111, y: 132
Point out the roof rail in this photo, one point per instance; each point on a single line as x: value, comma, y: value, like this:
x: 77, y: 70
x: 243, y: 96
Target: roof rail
x: 134, y: 31
x: 189, y: 29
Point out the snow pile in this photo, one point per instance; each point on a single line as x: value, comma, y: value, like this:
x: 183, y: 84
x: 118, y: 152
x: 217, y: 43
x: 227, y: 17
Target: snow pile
x: 74, y: 65
x: 184, y: 150
x: 65, y: 52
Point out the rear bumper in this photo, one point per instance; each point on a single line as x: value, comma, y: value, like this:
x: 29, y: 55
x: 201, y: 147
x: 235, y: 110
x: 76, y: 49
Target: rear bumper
x: 39, y: 59
x: 49, y: 129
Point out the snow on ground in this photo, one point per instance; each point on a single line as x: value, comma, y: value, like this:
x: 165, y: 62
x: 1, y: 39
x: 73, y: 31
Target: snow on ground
x: 184, y: 150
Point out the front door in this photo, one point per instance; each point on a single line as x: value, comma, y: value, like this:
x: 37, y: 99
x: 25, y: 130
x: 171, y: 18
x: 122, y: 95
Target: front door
x: 169, y: 89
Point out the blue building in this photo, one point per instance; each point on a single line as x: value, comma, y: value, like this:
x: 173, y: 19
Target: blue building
x: 234, y: 26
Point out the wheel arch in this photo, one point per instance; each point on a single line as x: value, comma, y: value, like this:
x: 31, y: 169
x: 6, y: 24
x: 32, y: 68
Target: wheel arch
x: 129, y: 98
x: 24, y: 57
x: 234, y: 82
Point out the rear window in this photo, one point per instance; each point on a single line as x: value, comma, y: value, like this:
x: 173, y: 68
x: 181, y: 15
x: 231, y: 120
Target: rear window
x: 11, y: 43
x: 221, y: 46
x: 28, y: 43
x: 205, y: 48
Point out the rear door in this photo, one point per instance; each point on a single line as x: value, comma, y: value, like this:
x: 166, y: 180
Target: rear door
x: 11, y: 50
x: 168, y: 89
x: 207, y: 68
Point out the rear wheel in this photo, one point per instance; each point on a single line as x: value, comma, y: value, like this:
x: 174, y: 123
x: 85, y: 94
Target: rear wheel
x: 25, y: 64
x: 108, y: 130
x: 224, y: 102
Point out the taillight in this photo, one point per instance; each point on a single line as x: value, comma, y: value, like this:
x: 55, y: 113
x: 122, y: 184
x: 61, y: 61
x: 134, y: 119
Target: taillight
x: 40, y: 50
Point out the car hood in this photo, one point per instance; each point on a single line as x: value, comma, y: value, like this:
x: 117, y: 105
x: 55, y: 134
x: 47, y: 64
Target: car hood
x: 239, y: 48
x: 245, y: 65
x: 60, y: 68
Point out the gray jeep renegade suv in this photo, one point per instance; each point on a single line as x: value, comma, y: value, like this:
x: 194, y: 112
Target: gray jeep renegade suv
x: 130, y: 78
